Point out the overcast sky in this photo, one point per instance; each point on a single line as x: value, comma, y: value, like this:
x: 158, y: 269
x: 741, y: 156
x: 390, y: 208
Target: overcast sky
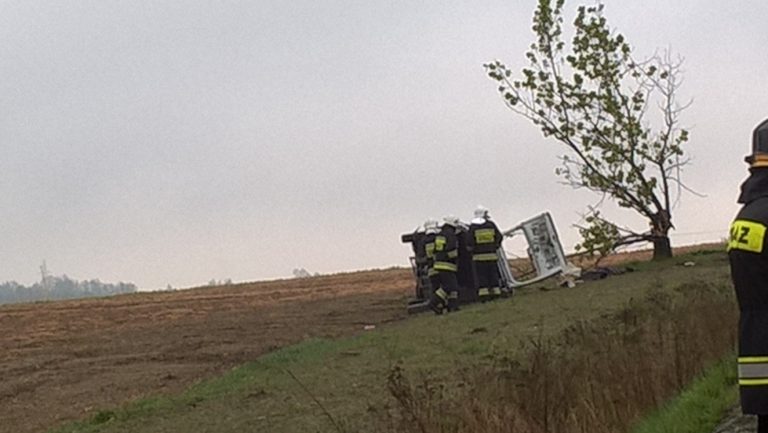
x: 174, y: 142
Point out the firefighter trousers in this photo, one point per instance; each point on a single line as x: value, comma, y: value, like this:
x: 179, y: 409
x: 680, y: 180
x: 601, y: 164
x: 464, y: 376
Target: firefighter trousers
x: 487, y: 279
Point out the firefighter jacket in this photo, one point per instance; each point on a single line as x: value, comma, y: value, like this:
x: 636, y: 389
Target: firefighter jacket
x: 484, y: 240
x: 748, y: 254
x: 429, y: 250
x: 446, y: 250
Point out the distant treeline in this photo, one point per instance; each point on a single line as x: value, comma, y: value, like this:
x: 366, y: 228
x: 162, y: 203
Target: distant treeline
x: 53, y: 288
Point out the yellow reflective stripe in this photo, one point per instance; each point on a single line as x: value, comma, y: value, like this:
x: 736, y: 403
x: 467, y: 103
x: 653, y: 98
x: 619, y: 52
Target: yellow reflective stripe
x: 752, y: 359
x: 430, y: 249
x: 440, y: 243
x: 445, y: 266
x: 486, y: 257
x: 484, y: 236
x: 483, y: 292
x: 753, y: 382
x: 453, y: 254
x: 431, y: 272
x: 441, y: 294
x: 746, y: 236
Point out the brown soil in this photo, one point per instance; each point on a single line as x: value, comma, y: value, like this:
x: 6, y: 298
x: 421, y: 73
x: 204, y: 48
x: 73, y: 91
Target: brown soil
x: 65, y: 360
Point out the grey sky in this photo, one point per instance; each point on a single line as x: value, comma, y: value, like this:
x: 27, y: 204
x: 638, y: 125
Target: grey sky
x: 180, y: 141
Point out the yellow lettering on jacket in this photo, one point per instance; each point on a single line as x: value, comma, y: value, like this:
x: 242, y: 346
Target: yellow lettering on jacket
x: 746, y: 236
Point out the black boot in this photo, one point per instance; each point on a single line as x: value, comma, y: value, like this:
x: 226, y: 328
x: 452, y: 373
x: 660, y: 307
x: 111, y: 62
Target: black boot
x: 453, y: 304
x: 438, y: 301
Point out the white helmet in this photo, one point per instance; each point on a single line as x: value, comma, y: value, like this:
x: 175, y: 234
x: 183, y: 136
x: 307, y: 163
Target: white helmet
x: 481, y: 212
x: 451, y: 221
x: 430, y: 226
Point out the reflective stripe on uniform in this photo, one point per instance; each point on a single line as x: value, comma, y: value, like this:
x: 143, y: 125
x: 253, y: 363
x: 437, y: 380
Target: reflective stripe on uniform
x: 483, y: 292
x: 445, y: 266
x: 753, y: 370
x: 484, y: 236
x: 753, y: 359
x: 453, y: 295
x: 485, y: 257
x: 453, y: 254
x: 495, y: 291
x: 746, y: 236
x: 753, y: 382
x: 441, y: 294
x: 440, y: 243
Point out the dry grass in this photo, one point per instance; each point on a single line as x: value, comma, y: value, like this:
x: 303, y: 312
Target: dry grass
x: 598, y: 377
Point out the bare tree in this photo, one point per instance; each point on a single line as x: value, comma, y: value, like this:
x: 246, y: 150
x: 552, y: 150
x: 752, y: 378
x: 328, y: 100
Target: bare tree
x: 618, y: 116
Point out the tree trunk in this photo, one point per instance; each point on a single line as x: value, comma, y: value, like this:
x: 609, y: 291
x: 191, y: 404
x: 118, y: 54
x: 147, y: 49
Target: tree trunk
x: 662, y: 249
x: 660, y: 225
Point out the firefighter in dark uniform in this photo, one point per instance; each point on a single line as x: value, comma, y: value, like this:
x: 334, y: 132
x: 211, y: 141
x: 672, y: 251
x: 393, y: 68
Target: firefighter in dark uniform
x: 748, y: 254
x: 483, y: 241
x: 420, y: 259
x: 431, y: 230
x: 446, y: 266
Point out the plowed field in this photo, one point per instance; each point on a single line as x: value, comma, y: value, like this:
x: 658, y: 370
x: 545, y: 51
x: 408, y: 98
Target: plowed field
x: 64, y: 360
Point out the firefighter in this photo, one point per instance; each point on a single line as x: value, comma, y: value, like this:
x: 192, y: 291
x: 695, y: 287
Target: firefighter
x: 748, y: 254
x: 431, y: 229
x: 420, y: 259
x: 446, y: 266
x: 483, y: 241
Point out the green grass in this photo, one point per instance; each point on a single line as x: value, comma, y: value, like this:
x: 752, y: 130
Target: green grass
x: 331, y: 386
x: 700, y: 407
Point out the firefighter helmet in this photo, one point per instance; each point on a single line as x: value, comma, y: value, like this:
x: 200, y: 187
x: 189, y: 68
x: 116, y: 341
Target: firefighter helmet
x: 759, y: 156
x: 481, y: 212
x: 451, y: 221
x: 430, y: 226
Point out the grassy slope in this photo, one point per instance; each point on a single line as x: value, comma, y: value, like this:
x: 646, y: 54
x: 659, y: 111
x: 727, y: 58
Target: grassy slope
x: 348, y: 377
x: 699, y: 408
